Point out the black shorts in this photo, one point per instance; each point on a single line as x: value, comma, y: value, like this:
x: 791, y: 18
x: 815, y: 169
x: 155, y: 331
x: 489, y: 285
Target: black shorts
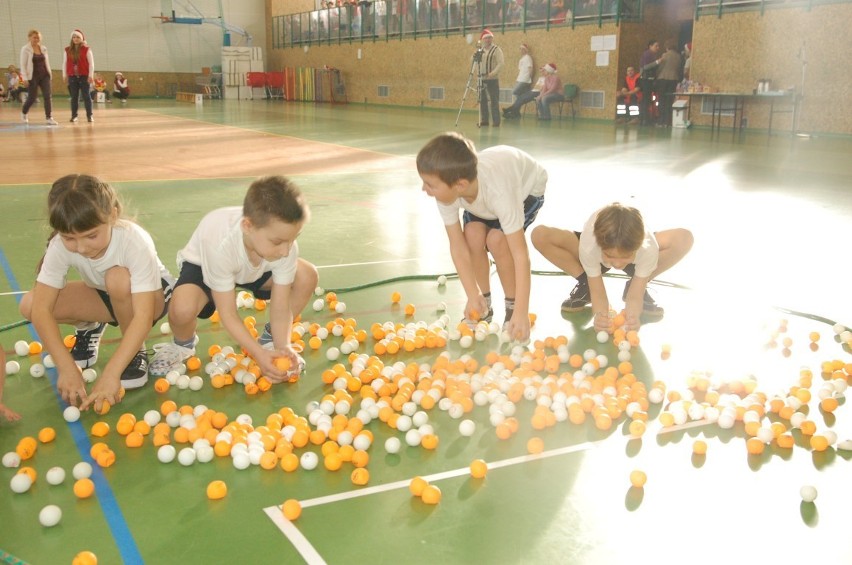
x: 190, y: 273
x: 167, y: 292
x: 532, y: 205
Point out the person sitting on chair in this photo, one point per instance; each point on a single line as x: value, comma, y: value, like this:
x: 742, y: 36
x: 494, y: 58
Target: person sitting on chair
x: 514, y: 111
x: 627, y: 101
x: 552, y: 92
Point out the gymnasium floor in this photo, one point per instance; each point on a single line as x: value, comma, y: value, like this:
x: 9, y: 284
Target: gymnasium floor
x: 771, y: 219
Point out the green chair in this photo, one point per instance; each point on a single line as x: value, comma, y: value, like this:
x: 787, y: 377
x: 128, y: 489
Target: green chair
x: 570, y: 92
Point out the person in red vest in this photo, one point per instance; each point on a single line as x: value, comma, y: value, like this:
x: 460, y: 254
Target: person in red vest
x: 78, y: 71
x: 627, y: 101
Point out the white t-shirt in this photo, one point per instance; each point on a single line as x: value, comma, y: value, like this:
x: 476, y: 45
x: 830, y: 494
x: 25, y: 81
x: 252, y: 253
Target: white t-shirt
x: 507, y: 176
x: 525, y: 69
x: 217, y: 247
x: 130, y: 246
x: 591, y: 255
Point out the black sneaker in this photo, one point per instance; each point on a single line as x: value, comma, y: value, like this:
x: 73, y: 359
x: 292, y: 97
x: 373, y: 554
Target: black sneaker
x: 578, y: 299
x: 650, y: 309
x: 135, y: 375
x: 85, y: 350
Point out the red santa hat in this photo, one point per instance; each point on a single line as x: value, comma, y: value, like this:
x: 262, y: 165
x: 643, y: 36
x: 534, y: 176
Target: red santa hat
x: 550, y: 67
x: 485, y: 33
x: 78, y: 33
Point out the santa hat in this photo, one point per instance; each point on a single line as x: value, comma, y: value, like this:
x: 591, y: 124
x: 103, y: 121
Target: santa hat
x: 550, y: 67
x: 78, y: 33
x: 689, y: 47
x: 118, y: 74
x: 485, y: 33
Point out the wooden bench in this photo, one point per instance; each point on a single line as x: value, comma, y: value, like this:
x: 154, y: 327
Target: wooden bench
x: 190, y: 97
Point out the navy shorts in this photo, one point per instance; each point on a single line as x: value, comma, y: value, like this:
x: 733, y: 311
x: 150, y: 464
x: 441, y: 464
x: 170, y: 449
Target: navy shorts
x: 167, y: 292
x: 531, y: 207
x: 190, y: 273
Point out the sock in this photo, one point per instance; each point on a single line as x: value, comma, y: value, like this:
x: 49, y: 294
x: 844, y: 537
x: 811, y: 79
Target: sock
x: 86, y: 326
x: 189, y: 344
x: 487, y: 296
x: 510, y: 308
x: 267, y: 333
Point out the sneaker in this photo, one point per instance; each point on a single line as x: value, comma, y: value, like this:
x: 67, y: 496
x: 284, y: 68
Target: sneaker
x: 578, y: 299
x: 135, y: 375
x: 85, y: 350
x: 169, y: 357
x: 24, y: 118
x: 74, y: 120
x: 52, y: 122
x: 90, y: 119
x: 650, y: 309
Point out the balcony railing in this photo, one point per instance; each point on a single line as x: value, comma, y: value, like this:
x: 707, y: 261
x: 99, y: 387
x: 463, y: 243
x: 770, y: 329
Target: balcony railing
x: 396, y: 19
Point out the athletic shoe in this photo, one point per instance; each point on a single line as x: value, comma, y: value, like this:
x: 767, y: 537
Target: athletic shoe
x: 169, y: 357
x: 24, y: 118
x: 74, y: 120
x: 579, y: 298
x: 90, y: 119
x: 650, y: 309
x: 135, y: 375
x: 52, y: 122
x: 85, y: 350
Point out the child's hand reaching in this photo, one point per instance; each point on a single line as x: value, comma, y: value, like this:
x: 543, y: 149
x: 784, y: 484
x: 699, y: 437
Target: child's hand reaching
x: 71, y: 386
x: 476, y: 308
x: 8, y: 414
x: 603, y: 322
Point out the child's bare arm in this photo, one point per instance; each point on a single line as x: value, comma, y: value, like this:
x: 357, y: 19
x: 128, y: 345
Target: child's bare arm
x: 460, y: 254
x: 634, y: 302
x: 600, y: 304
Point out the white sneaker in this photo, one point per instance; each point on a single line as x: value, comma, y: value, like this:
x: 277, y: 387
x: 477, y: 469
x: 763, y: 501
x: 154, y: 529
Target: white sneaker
x: 24, y: 118
x: 74, y: 120
x: 52, y: 122
x: 168, y: 357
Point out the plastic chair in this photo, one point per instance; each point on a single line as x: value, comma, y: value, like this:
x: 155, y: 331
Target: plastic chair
x: 275, y: 84
x: 570, y: 92
x: 256, y: 80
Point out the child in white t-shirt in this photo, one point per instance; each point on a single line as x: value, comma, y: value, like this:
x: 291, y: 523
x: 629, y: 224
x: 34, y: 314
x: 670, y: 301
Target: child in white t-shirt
x: 123, y: 283
x: 614, y: 237
x: 251, y: 247
x: 500, y: 190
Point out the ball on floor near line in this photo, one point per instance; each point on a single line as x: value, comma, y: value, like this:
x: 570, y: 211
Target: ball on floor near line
x: 22, y: 348
x: 12, y: 367
x: 37, y: 370
x: 442, y: 280
x: 318, y: 305
x: 808, y: 493
x: 55, y: 476
x: 393, y: 445
x: 71, y: 414
x: 84, y: 488
x: 638, y: 478
x: 309, y: 461
x: 48, y: 361
x: 217, y: 490
x: 478, y: 468
x: 50, y: 515
x: 89, y: 375
x: 82, y: 470
x: 85, y: 558
x: 291, y: 509
x: 20, y: 483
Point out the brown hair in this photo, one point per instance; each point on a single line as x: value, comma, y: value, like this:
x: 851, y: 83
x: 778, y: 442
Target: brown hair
x: 275, y: 198
x: 31, y: 32
x: 619, y: 227
x: 78, y: 203
x: 450, y: 156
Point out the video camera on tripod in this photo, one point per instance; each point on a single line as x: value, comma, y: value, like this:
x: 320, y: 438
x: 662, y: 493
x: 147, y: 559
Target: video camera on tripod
x: 477, y: 55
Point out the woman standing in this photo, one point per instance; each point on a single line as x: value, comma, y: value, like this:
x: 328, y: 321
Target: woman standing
x: 35, y: 69
x: 78, y: 71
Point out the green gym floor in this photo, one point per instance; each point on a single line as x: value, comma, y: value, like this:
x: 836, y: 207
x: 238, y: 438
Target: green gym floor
x: 771, y: 219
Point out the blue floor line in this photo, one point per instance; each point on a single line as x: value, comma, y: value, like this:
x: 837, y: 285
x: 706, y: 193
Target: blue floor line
x: 109, y: 505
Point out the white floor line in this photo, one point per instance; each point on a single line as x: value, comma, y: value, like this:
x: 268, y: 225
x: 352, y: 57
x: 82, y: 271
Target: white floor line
x: 299, y: 541
x: 371, y: 263
x: 310, y: 554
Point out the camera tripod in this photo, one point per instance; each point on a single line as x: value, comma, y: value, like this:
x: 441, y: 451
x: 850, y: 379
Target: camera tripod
x: 474, y: 71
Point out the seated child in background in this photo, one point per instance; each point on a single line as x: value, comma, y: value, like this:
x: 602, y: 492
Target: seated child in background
x: 6, y: 413
x: 119, y: 87
x: 99, y: 85
x: 251, y: 247
x: 614, y: 237
x: 500, y: 189
x: 123, y: 283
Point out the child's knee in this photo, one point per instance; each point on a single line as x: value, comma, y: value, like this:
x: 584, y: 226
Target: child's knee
x: 26, y: 305
x: 117, y: 282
